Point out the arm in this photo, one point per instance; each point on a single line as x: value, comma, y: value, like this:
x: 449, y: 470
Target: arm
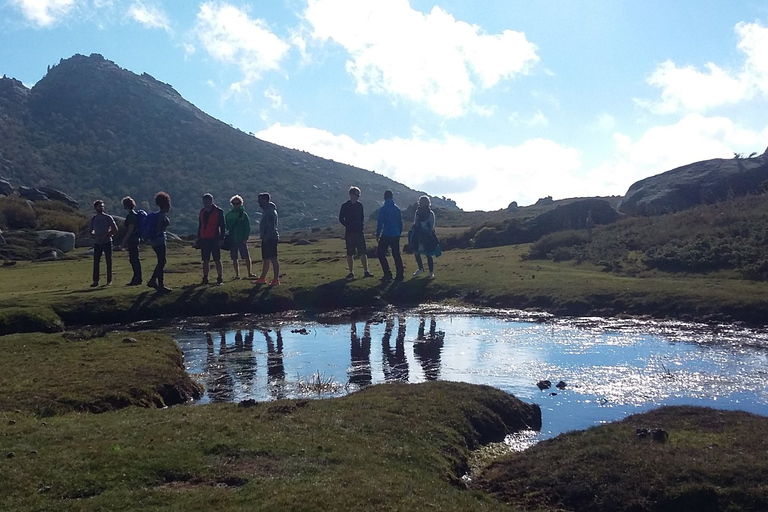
x: 199, y: 223
x: 130, y: 228
x: 222, y: 227
x: 380, y: 222
x: 343, y: 215
x: 112, y: 227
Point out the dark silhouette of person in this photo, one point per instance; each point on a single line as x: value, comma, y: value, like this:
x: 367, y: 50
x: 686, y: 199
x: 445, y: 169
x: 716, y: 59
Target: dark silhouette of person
x: 428, y: 347
x: 219, y: 383
x: 394, y: 362
x: 275, y: 368
x: 243, y: 362
x: 360, y: 370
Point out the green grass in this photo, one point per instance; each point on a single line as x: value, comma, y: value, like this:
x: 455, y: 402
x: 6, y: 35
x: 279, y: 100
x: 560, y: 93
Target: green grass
x: 390, y: 447
x: 712, y: 460
x: 313, y: 278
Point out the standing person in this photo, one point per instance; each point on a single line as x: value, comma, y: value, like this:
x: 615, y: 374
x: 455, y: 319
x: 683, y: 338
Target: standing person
x: 269, y: 238
x: 239, y: 228
x: 131, y: 239
x: 210, y: 233
x: 388, y: 230
x: 352, y: 218
x: 101, y: 228
x: 158, y: 224
x: 424, y: 234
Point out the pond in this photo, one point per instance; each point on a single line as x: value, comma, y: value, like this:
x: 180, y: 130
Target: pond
x: 607, y: 368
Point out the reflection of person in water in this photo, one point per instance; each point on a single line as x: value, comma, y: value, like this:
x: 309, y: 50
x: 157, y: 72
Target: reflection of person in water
x: 237, y: 360
x: 427, y: 348
x: 219, y: 382
x: 360, y: 369
x: 275, y: 368
x: 394, y: 362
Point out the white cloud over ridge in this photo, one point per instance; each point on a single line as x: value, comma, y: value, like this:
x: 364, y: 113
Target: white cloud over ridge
x: 230, y: 35
x: 44, y: 13
x: 475, y: 176
x: 149, y: 16
x: 432, y: 59
x: 687, y: 89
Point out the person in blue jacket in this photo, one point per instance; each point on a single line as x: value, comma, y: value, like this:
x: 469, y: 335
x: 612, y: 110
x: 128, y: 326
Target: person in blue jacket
x: 388, y: 231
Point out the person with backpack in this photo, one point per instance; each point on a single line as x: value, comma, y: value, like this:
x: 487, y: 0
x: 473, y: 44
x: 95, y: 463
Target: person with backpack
x: 424, y: 238
x: 101, y: 227
x: 210, y: 233
x: 131, y: 238
x: 153, y: 230
x: 388, y: 230
x: 239, y: 229
x: 269, y: 239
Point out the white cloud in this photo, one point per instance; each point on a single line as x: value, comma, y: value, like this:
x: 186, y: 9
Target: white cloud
x: 476, y: 176
x: 44, y: 13
x: 663, y: 148
x: 229, y: 35
x: 149, y: 16
x: 432, y: 58
x: 687, y: 89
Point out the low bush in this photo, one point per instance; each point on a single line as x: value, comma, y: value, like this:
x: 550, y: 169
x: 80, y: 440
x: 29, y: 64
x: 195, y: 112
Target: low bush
x: 16, y: 213
x: 38, y: 319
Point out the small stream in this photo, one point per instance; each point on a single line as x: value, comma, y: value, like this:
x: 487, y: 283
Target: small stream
x: 610, y: 368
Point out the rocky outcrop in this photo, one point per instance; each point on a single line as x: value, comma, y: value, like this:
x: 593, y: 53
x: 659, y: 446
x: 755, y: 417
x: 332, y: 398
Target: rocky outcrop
x: 58, y: 195
x: 6, y: 188
x: 580, y: 214
x: 32, y: 194
x: 702, y: 182
x: 61, y: 240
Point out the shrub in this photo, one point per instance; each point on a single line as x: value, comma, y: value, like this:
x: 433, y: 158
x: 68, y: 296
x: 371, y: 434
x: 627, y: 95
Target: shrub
x: 561, y: 240
x: 16, y: 213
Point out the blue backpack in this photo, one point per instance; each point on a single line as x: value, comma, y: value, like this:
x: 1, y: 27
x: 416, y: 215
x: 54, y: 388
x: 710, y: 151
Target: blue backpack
x: 148, y: 225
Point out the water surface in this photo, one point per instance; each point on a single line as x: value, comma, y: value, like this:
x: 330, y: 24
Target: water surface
x: 610, y: 368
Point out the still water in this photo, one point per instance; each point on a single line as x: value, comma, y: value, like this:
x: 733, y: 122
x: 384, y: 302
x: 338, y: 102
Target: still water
x: 611, y: 368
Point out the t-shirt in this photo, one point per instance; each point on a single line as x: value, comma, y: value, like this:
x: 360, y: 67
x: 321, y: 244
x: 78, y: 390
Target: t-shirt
x: 99, y: 227
x: 132, y: 220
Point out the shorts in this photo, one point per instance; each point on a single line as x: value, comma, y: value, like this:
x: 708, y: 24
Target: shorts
x: 210, y: 247
x: 268, y: 249
x: 355, y: 243
x: 242, y: 249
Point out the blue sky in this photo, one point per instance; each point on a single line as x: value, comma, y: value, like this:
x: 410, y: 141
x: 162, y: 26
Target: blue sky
x: 484, y: 102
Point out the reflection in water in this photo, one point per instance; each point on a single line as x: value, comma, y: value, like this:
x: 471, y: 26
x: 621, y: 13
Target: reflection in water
x: 612, y: 368
x: 394, y: 363
x: 427, y: 348
x: 360, y: 352
x: 275, y: 368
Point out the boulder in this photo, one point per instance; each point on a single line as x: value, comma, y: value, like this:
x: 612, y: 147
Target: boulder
x: 49, y: 255
x: 58, y: 195
x: 61, y: 240
x: 581, y: 214
x: 32, y: 194
x: 702, y: 182
x: 2, y: 240
x: 6, y: 188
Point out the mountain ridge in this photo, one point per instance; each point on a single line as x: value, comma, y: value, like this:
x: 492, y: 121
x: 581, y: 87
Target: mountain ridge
x: 96, y: 130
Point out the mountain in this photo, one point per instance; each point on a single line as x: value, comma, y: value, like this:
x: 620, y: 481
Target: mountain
x: 94, y: 130
x: 704, y: 182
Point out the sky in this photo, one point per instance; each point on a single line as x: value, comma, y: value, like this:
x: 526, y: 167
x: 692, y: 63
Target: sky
x: 483, y: 102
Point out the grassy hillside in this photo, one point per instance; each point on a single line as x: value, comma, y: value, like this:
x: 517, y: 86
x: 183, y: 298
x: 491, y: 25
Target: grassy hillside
x: 95, y: 130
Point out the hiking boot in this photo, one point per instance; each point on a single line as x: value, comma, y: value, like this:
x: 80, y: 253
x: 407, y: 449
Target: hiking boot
x: 351, y: 275
x: 367, y: 274
x: 163, y: 289
x: 204, y: 281
x: 260, y: 280
x: 109, y: 282
x: 152, y: 283
x: 252, y: 275
x: 274, y: 282
x: 399, y: 277
x: 431, y: 275
x: 135, y: 282
x: 219, y: 280
x: 236, y: 278
x: 419, y: 271
x: 94, y: 284
x: 386, y: 277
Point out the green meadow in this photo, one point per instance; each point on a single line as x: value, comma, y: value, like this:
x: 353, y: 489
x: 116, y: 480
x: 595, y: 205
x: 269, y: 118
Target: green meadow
x: 85, y: 422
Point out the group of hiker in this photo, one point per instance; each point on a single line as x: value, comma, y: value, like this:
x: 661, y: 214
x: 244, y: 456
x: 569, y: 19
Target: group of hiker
x: 219, y: 232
